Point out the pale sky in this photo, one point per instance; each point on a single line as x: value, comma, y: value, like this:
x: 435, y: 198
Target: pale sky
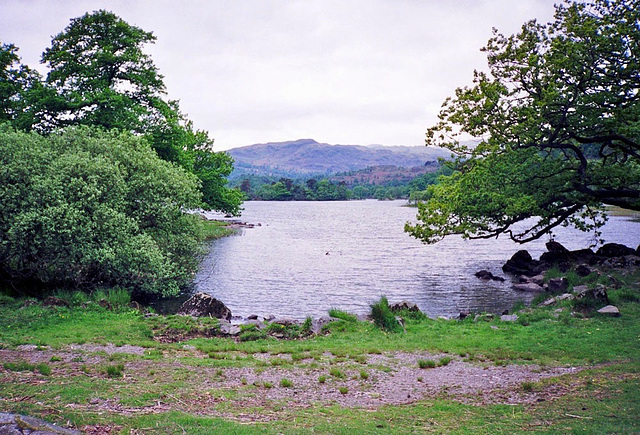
x: 351, y: 72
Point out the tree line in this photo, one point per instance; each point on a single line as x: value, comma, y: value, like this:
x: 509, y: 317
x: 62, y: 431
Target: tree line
x: 265, y: 188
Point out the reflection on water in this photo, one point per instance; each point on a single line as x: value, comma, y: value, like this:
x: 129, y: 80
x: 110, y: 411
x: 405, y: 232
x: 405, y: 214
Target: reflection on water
x: 307, y: 257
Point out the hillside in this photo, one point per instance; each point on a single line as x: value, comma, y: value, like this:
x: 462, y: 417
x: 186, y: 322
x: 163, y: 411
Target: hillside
x: 306, y: 156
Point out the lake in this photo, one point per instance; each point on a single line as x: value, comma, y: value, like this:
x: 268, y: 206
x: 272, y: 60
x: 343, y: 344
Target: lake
x: 308, y: 257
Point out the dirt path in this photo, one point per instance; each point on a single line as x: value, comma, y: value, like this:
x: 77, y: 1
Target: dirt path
x: 192, y: 385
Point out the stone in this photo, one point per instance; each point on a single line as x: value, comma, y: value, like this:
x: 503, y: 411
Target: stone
x: 528, y: 287
x: 509, y: 317
x: 269, y: 318
x: 204, y: 305
x: 253, y: 317
x: 484, y: 317
x: 404, y: 306
x: 558, y: 285
x: 485, y: 275
x: 556, y: 248
x: 20, y: 424
x: 583, y: 270
x: 318, y: 324
x: 521, y: 263
x: 463, y: 315
x: 229, y: 329
x: 599, y: 293
x: 610, y: 310
x: 565, y: 297
x: 285, y: 322
x: 548, y: 302
x: 614, y: 250
x: 537, y: 279
x: 259, y: 325
x: 53, y: 301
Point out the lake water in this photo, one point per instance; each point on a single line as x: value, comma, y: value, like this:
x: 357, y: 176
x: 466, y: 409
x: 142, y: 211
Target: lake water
x: 308, y: 257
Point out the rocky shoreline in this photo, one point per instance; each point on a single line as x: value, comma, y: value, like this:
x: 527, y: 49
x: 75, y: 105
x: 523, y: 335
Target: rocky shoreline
x: 528, y: 276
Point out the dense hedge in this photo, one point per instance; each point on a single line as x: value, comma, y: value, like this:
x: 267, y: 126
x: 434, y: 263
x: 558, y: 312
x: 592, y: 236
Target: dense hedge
x: 85, y: 208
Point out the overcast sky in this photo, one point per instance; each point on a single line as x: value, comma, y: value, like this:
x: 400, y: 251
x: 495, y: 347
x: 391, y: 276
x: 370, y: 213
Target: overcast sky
x: 342, y: 72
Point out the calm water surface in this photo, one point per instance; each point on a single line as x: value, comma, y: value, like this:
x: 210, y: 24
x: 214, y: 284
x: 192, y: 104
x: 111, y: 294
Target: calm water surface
x: 307, y: 257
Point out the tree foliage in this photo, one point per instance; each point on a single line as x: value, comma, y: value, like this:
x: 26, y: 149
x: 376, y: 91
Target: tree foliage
x: 84, y: 208
x: 99, y: 75
x: 20, y: 89
x: 559, y: 123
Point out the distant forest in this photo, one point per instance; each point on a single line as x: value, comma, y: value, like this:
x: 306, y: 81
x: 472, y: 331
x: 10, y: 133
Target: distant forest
x: 386, y: 182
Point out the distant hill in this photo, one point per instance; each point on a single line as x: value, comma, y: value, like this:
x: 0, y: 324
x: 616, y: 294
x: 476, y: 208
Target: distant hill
x: 306, y: 157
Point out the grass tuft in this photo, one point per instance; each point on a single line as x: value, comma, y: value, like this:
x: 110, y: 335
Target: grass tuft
x: 382, y: 316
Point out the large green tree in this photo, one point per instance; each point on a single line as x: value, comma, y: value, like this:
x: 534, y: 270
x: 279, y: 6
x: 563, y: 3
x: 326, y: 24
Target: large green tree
x: 100, y: 76
x: 558, y: 122
x: 20, y: 89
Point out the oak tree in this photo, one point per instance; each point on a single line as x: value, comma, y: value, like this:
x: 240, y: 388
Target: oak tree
x: 558, y: 123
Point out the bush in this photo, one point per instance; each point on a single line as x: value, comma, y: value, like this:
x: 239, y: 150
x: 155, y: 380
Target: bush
x: 383, y: 317
x: 83, y: 208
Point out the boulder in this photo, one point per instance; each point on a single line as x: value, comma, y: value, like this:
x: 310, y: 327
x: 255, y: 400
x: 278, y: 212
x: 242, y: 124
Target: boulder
x: 53, y: 301
x: 556, y: 248
x: 528, y: 287
x: 583, y: 270
x: 615, y: 250
x: 404, y: 306
x: 558, y: 285
x: 548, y: 302
x: 285, y: 322
x: 584, y: 256
x: 318, y: 324
x: 485, y: 275
x: 565, y: 297
x: 598, y: 293
x: 537, y: 279
x: 509, y: 317
x: 521, y: 263
x: 204, y: 305
x: 227, y: 328
x: 610, y: 310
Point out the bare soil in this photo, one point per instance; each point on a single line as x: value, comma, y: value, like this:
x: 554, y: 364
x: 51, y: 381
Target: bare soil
x: 256, y: 393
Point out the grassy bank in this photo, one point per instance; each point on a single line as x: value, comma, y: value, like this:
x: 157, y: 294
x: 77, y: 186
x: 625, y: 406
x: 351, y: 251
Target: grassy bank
x: 212, y: 230
x: 113, y: 367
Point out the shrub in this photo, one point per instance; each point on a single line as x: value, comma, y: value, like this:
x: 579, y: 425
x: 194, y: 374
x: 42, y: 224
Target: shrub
x: 286, y: 383
x: 322, y: 379
x: 343, y: 390
x: 364, y: 375
x: 383, y: 317
x: 84, y: 207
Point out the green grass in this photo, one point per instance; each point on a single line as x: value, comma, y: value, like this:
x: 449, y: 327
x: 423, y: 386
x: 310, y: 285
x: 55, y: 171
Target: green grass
x: 342, y: 315
x: 426, y: 364
x: 601, y: 400
x: 212, y: 230
x: 383, y: 317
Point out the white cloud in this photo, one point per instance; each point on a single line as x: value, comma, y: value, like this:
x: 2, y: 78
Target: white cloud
x: 338, y: 71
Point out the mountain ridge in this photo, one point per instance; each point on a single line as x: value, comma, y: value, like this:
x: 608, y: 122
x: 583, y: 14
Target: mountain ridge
x: 310, y: 156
